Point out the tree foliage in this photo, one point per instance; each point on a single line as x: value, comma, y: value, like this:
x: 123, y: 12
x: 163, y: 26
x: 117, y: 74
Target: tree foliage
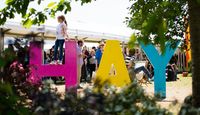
x: 164, y: 20
x: 158, y: 20
x: 32, y: 16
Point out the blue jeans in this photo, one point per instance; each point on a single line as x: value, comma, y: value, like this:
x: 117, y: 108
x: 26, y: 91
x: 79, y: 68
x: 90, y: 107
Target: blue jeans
x: 58, y: 44
x: 142, y: 68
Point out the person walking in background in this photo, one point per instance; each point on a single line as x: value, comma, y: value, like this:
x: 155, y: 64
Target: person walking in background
x: 92, y: 63
x: 84, y: 72
x: 99, y: 53
x: 80, y: 56
x: 61, y: 35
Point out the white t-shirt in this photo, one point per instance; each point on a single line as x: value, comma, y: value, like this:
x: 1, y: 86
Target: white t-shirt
x: 92, y: 60
x: 59, y: 31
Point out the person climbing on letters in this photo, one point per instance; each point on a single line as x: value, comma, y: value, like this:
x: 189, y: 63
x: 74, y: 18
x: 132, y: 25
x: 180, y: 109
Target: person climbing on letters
x: 61, y: 35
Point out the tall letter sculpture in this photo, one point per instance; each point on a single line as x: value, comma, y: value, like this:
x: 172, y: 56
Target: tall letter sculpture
x: 159, y: 63
x: 68, y: 70
x: 112, y: 67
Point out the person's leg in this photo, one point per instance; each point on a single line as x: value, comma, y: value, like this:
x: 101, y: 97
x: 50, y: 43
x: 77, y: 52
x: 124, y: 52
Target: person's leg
x: 142, y: 68
x: 176, y: 75
x: 56, y: 50
x: 138, y: 70
x: 79, y: 74
x: 92, y: 69
x: 61, y: 43
x: 83, y: 73
x: 132, y: 74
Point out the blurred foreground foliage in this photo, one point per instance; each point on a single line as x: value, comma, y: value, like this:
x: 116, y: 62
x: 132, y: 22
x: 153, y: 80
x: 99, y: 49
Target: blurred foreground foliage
x: 131, y: 100
x: 187, y: 108
x: 10, y: 102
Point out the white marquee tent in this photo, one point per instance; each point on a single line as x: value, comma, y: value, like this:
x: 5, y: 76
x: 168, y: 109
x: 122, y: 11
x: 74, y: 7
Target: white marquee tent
x: 14, y: 29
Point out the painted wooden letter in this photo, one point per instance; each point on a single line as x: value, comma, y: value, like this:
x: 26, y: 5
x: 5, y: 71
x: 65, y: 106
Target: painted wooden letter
x: 159, y: 63
x: 68, y: 70
x: 112, y: 67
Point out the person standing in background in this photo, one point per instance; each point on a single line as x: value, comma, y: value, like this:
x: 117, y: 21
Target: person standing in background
x: 61, y: 35
x: 80, y: 56
x: 94, y: 48
x: 92, y: 63
x: 99, y: 53
x: 84, y: 72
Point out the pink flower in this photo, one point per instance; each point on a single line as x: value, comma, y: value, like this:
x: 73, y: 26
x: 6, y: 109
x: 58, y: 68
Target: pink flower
x: 21, y: 69
x: 20, y: 65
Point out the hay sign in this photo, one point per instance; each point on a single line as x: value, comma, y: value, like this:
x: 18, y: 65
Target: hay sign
x: 112, y: 67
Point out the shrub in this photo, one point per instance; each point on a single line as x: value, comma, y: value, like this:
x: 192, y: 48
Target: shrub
x: 10, y: 103
x: 187, y: 108
x: 109, y: 101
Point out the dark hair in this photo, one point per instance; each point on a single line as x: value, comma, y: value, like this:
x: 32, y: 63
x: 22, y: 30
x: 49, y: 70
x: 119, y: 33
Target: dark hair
x: 80, y: 41
x: 62, y: 18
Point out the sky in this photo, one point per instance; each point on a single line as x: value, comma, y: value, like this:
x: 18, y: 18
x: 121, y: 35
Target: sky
x: 105, y: 16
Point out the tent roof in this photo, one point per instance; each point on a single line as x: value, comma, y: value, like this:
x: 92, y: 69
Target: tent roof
x: 14, y: 29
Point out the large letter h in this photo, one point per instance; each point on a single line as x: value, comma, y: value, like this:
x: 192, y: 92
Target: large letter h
x: 68, y: 70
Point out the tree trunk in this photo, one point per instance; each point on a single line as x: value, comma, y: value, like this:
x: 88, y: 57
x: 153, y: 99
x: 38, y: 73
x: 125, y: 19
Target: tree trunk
x: 194, y: 14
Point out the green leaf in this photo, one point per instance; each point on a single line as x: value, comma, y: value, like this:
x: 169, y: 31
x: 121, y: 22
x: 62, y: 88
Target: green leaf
x: 39, y: 2
x: 32, y: 10
x: 23, y: 111
x: 9, y: 1
x: 2, y: 62
x: 27, y: 23
x: 132, y: 41
x: 198, y: 1
x: 118, y: 108
x: 6, y: 88
x: 51, y: 4
x: 62, y: 1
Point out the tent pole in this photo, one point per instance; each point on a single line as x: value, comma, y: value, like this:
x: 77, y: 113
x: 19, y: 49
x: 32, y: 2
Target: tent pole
x: 1, y: 40
x: 1, y: 44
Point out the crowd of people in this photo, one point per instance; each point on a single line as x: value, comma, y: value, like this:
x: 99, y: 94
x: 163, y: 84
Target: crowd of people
x: 88, y: 59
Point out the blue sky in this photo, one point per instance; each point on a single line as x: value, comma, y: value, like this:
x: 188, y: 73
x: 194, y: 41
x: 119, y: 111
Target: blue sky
x: 105, y: 16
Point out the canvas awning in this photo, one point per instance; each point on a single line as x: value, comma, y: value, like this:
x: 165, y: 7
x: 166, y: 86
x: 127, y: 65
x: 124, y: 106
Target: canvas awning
x: 13, y: 29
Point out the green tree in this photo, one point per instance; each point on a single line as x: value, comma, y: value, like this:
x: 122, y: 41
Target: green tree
x: 194, y: 9
x: 30, y: 15
x: 163, y: 20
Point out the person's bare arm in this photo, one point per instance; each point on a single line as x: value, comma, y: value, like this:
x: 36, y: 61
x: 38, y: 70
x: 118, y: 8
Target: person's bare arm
x: 64, y: 32
x: 80, y: 55
x: 96, y: 65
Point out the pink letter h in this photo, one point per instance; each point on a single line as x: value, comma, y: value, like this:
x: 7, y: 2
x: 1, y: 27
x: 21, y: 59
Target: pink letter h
x: 68, y: 70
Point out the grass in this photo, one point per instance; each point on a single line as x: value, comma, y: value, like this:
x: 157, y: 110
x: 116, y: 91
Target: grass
x: 176, y: 93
